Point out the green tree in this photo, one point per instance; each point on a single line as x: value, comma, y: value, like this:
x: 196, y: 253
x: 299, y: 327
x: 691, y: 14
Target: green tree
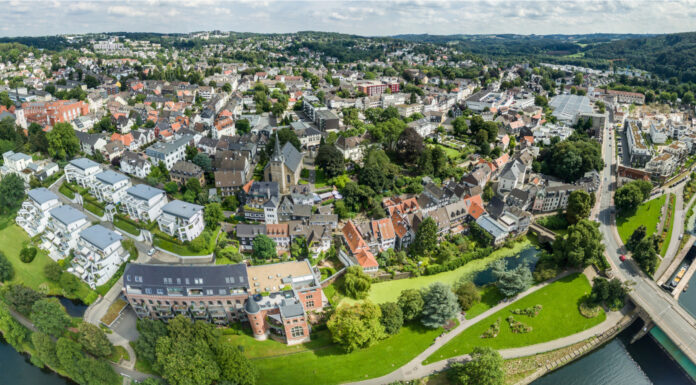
x: 11, y: 192
x: 285, y: 135
x: 637, y: 236
x: 411, y: 303
x: 62, y: 141
x: 27, y: 254
x: 511, y: 282
x: 581, y: 246
x: 93, y: 340
x: 235, y: 368
x: 460, y: 127
x: 213, y: 215
x: 193, y: 185
x: 467, y: 295
x: 171, y: 187
x: 410, y: 145
x: 646, y: 255
x: 488, y: 192
x: 45, y: 348
x: 150, y: 331
x: 484, y: 368
x: 37, y: 139
x: 203, y: 161
x: 21, y: 297
x: 425, y: 241
x: 356, y: 326
x: 579, y: 206
x: 14, y: 332
x: 6, y: 268
x: 242, y: 126
x: 628, y: 197
x: 264, y: 247
x: 356, y: 282
x: 392, y: 317
x: 53, y: 271
x: 571, y: 159
x: 330, y: 160
x: 49, y: 316
x: 439, y: 305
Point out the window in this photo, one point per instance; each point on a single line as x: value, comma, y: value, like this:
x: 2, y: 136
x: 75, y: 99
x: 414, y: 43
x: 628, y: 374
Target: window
x: 310, y: 303
x: 297, y: 331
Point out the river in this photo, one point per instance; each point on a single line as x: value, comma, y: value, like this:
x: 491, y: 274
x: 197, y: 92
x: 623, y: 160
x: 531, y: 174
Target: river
x: 17, y: 370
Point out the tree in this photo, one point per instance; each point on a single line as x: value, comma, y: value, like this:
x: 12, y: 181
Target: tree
x: 171, y: 187
x: 356, y: 326
x: 483, y: 237
x: 49, y: 316
x: 330, y: 160
x: 628, y: 197
x: 235, y: 368
x: 411, y: 303
x: 242, y: 126
x: 264, y: 247
x: 581, y: 246
x: 410, y: 145
x: 21, y: 297
x: 646, y: 255
x: 571, y: 159
x: 83, y: 369
x: 11, y: 192
x: 45, y: 349
x: 37, y: 139
x: 392, y: 317
x: 213, y: 215
x: 69, y: 283
x: 6, y: 268
x: 203, y: 161
x: 356, y: 282
x: 93, y: 340
x: 460, y: 127
x: 488, y: 192
x: 511, y: 282
x: 14, y: 332
x: 425, y: 241
x: 285, y: 135
x: 579, y: 206
x: 53, y: 271
x: 467, y: 295
x: 439, y: 305
x: 62, y: 141
x: 27, y: 254
x: 193, y: 185
x: 637, y: 236
x: 150, y: 331
x: 611, y: 293
x: 91, y: 81
x: 484, y: 368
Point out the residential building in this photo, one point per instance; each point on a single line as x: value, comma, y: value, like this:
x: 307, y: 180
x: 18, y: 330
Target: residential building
x: 144, y: 203
x: 168, y: 152
x: 16, y: 163
x: 661, y: 167
x: 98, y: 255
x: 62, y: 230
x: 351, y: 148
x: 260, y: 200
x: 110, y: 186
x: 82, y: 171
x: 182, y: 220
x: 496, y: 229
x: 58, y: 111
x: 33, y: 215
x: 638, y: 151
x: 246, y: 233
x: 184, y: 170
x: 357, y: 251
x: 136, y: 164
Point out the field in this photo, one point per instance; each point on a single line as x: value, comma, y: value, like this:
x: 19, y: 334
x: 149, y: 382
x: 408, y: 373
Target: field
x: 490, y: 296
x: 647, y: 214
x: 558, y: 318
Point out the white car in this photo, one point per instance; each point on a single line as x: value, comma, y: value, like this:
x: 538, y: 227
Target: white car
x: 151, y: 252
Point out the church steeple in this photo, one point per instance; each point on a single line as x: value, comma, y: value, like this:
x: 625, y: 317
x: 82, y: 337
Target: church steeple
x: 277, y: 154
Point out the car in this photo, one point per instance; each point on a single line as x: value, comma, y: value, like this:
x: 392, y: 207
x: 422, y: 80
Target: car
x: 622, y: 257
x: 151, y: 252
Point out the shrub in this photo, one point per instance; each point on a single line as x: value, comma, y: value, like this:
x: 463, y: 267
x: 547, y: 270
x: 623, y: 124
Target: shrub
x: 517, y: 326
x: 492, y: 330
x: 27, y: 254
x: 588, y: 310
x: 6, y: 268
x: 53, y: 271
x: 532, y: 311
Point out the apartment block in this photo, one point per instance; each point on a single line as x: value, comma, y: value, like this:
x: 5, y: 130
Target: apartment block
x: 98, y: 255
x: 33, y: 215
x: 144, y: 203
x: 110, y: 186
x: 182, y: 220
x: 82, y: 171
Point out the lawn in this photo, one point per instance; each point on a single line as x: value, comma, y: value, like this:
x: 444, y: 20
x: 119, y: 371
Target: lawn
x: 165, y: 242
x: 66, y: 191
x: 559, y: 318
x: 319, y: 178
x: 92, y: 208
x: 668, y: 237
x: 12, y: 238
x: 119, y: 353
x: 126, y: 226
x: 113, y: 311
x: 389, y: 290
x: 647, y: 214
x: 450, y: 152
x: 269, y: 348
x: 490, y: 296
x: 330, y: 365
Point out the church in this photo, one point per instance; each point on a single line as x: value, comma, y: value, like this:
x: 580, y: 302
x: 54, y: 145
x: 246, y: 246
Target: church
x: 284, y: 167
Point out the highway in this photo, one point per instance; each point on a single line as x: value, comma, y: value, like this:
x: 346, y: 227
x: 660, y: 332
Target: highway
x: 659, y: 305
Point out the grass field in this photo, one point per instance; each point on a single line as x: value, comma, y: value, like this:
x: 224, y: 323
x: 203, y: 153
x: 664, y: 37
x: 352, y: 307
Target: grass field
x: 66, y: 191
x: 451, y: 152
x: 92, y: 208
x: 559, y: 318
x: 647, y: 214
x: 490, y: 296
x: 126, y: 226
x: 668, y: 238
x: 389, y: 290
x: 330, y: 365
x: 269, y: 348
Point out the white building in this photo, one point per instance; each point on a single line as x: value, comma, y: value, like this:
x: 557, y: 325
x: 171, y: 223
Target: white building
x: 98, y: 255
x: 168, y: 153
x: 82, y: 171
x: 16, y: 163
x: 133, y: 163
x: 64, y: 225
x: 144, y: 202
x: 110, y: 186
x: 182, y: 220
x: 658, y: 132
x: 33, y: 216
x: 512, y: 176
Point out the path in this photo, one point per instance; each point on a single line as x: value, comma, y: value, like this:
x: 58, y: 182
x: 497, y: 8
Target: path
x: 415, y: 369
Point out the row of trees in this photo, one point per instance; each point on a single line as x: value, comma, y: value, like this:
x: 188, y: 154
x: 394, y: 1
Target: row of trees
x: 629, y: 196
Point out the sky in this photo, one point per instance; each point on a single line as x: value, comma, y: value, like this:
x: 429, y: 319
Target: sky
x: 367, y: 18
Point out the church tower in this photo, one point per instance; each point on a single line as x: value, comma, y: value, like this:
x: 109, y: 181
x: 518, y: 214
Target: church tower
x: 275, y: 169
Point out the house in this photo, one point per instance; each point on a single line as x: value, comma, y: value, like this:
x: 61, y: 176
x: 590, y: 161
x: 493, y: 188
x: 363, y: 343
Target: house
x: 246, y: 233
x: 136, y: 164
x: 62, y: 229
x: 182, y: 220
x: 284, y: 167
x: 496, y: 229
x: 479, y: 176
x: 228, y: 182
x: 383, y: 232
x: 350, y: 148
x: 144, y: 203
x: 98, y: 255
x: 511, y: 176
x: 358, y: 252
x: 260, y: 200
x: 82, y: 171
x: 33, y: 215
x: 110, y: 186
x: 184, y: 170
x: 168, y: 153
x: 280, y: 234
x: 16, y: 163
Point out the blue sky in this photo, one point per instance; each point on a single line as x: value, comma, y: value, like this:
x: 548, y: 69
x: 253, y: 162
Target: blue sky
x: 46, y: 17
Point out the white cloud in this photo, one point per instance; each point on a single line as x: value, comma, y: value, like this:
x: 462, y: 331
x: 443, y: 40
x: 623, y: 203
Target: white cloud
x: 124, y: 10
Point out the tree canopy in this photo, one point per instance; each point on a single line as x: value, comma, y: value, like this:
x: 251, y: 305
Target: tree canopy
x: 356, y: 326
x: 439, y: 305
x: 62, y: 141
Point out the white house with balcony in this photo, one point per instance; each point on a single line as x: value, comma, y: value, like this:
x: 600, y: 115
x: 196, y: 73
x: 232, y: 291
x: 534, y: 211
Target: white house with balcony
x: 182, y: 220
x: 82, y: 171
x: 110, y: 186
x: 62, y: 230
x: 144, y: 202
x: 33, y: 216
x: 98, y: 255
x: 16, y: 163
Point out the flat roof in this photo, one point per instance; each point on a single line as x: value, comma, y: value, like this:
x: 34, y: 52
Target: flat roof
x: 110, y: 177
x: 274, y: 277
x: 143, y: 191
x: 41, y: 195
x: 67, y: 214
x: 100, y: 236
x: 181, y: 209
x: 84, y: 163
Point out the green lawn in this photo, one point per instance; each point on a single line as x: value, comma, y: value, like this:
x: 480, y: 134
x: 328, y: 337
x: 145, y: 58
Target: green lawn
x: 269, y: 348
x: 92, y: 208
x: 668, y: 238
x: 66, y: 191
x: 559, y: 318
x: 490, y: 296
x: 647, y: 214
x: 126, y: 226
x: 319, y: 178
x: 165, y: 242
x: 330, y: 365
x: 451, y: 152
x: 389, y: 290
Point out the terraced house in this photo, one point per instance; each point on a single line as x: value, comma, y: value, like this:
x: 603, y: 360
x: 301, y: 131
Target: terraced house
x: 62, y: 231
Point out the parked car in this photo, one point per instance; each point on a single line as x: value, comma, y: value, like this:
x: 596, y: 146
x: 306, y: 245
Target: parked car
x: 151, y: 252
x: 622, y: 257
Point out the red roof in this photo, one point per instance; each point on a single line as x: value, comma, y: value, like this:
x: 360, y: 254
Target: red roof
x: 353, y: 238
x: 366, y: 259
x: 126, y: 139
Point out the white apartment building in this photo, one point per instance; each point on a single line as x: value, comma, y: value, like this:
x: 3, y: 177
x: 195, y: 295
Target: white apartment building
x: 98, y: 255
x: 62, y: 230
x: 168, y: 153
x: 14, y: 163
x: 658, y: 132
x: 110, y: 186
x: 144, y: 202
x: 662, y: 166
x: 33, y: 216
x: 182, y: 220
x: 135, y: 164
x: 82, y: 171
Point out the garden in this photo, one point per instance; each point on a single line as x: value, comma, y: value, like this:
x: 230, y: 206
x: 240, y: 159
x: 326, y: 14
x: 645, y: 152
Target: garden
x: 204, y: 244
x: 558, y: 316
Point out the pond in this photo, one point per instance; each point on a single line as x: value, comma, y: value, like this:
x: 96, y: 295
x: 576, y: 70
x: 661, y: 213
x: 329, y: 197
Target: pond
x: 529, y: 257
x: 74, y: 307
x: 16, y: 369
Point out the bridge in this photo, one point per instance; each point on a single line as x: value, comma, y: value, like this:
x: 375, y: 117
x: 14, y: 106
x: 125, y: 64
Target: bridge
x: 543, y: 234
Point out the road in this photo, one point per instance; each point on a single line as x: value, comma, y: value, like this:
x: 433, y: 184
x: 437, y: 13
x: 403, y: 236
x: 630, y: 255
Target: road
x: 662, y: 308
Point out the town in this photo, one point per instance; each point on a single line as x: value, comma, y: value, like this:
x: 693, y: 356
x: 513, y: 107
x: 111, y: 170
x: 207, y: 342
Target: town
x: 326, y: 191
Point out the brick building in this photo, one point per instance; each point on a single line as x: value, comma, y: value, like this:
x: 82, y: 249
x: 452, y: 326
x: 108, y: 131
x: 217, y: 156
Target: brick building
x: 58, y: 111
